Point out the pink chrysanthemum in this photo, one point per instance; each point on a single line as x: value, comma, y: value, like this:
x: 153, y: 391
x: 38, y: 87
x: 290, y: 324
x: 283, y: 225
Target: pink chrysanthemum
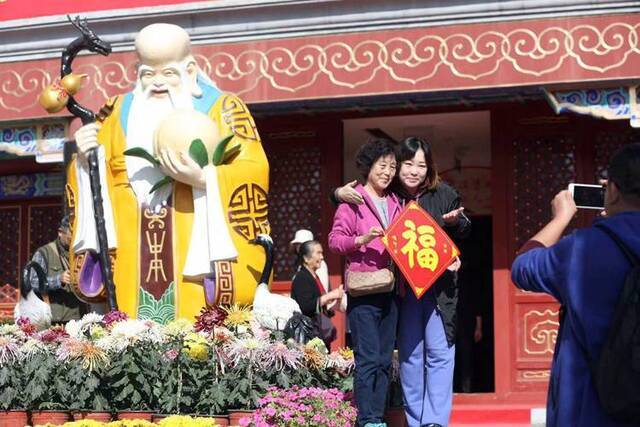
x: 279, y: 356
x: 113, y: 317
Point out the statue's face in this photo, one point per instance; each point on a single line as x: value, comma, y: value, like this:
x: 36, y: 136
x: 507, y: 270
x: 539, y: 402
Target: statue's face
x: 160, y: 79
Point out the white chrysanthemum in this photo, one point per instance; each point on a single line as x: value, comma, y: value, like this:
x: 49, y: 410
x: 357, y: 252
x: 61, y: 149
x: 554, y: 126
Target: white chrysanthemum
x: 245, y: 349
x: 10, y: 329
x: 113, y: 344
x: 178, y: 327
x: 135, y: 330
x: 91, y: 318
x: 32, y: 347
x: 73, y: 328
x: 9, y: 350
x: 131, y: 329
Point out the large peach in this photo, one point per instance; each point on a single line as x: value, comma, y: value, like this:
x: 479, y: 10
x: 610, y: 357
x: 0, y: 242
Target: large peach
x: 181, y: 127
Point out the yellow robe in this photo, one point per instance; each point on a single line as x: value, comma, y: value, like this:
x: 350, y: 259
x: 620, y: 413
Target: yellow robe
x: 243, y: 186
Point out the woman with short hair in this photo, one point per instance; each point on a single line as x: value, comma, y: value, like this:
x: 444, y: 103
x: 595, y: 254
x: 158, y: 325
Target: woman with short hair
x: 372, y: 317
x: 426, y: 332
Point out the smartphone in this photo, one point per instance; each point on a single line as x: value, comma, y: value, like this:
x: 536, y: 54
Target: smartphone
x: 588, y: 196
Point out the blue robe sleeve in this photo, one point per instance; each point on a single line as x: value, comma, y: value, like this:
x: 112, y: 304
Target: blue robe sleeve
x: 544, y: 269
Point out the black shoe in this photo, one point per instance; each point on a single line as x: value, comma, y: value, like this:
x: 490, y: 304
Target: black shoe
x: 433, y: 425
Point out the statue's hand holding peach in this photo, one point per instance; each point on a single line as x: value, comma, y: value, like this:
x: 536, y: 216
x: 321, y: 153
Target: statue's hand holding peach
x: 181, y: 167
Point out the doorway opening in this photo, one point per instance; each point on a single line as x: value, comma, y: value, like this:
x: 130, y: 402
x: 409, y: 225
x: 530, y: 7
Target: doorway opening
x: 461, y: 143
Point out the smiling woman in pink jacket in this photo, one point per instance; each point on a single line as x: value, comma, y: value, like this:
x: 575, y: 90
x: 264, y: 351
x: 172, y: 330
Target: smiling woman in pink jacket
x: 373, y: 318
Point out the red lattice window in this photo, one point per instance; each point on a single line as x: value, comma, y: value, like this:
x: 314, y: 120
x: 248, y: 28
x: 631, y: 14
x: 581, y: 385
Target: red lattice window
x: 8, y: 294
x: 295, y: 201
x: 607, y: 143
x: 43, y: 225
x: 10, y: 244
x: 543, y: 167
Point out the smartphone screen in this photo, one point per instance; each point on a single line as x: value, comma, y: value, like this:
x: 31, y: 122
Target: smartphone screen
x: 588, y: 196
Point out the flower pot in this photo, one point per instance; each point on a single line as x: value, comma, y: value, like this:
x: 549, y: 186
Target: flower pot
x: 49, y: 417
x: 101, y: 416
x: 13, y: 418
x: 135, y: 415
x: 394, y: 417
x: 236, y: 415
x: 221, y: 420
x: 159, y: 417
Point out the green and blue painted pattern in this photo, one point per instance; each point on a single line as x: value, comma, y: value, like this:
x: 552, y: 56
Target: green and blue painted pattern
x: 162, y: 311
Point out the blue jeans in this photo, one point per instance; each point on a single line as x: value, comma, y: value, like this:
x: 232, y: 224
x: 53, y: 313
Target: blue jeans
x: 373, y: 320
x: 426, y: 362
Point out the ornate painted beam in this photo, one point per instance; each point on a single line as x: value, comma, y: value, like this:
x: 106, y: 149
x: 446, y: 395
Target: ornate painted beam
x: 459, y: 57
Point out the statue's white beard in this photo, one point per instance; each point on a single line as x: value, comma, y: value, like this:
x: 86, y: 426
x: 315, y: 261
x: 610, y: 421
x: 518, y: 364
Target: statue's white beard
x: 145, y: 115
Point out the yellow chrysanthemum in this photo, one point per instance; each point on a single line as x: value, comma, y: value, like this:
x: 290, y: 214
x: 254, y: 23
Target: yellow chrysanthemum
x: 186, y: 421
x: 313, y: 358
x: 90, y: 355
x: 237, y: 315
x: 131, y: 423
x: 196, y: 346
x: 346, y: 353
x: 81, y: 423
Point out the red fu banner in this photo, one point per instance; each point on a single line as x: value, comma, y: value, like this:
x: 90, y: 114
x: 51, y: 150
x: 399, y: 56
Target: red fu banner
x: 420, y: 248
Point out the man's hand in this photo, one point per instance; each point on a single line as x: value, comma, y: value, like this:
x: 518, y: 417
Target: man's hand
x: 372, y: 234
x: 348, y: 194
x: 86, y: 139
x: 604, y: 183
x: 563, y: 207
x: 452, y: 218
x: 65, y: 279
x: 182, y: 168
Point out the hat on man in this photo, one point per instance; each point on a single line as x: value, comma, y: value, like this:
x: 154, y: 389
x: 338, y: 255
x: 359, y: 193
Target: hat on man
x: 64, y: 223
x: 302, y: 236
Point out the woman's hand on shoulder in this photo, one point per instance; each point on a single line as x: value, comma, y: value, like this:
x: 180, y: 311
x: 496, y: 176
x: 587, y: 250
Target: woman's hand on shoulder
x: 348, y: 194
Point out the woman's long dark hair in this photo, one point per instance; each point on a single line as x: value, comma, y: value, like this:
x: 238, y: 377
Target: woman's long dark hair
x: 305, y: 250
x: 407, y: 150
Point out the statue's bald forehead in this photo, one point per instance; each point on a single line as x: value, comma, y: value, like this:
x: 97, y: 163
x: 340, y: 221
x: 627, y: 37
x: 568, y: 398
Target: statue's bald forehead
x: 162, y: 43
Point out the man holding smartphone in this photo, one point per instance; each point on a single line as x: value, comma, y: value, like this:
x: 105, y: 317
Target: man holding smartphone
x: 585, y: 271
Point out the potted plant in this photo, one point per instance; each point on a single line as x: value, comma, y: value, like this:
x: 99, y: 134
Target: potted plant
x: 130, y: 378
x: 46, y: 392
x: 302, y: 407
x: 88, y: 399
x: 12, y: 398
x: 185, y: 374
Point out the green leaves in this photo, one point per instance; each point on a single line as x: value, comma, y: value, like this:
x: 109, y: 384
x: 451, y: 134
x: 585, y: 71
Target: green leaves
x: 198, y: 152
x: 143, y: 154
x: 219, y: 153
x: 164, y: 181
x: 131, y: 377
